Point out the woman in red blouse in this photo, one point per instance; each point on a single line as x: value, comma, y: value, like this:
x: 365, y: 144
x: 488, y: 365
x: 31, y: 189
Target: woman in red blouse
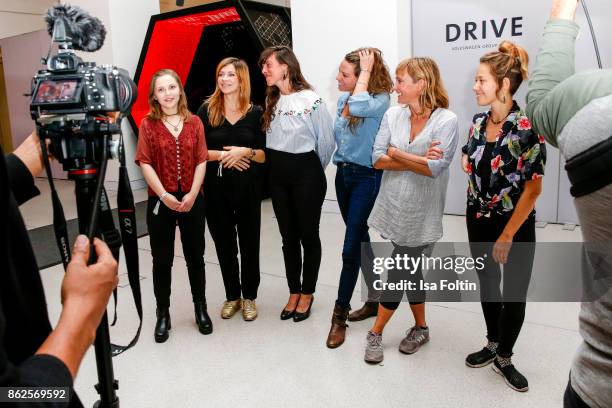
x: 172, y: 154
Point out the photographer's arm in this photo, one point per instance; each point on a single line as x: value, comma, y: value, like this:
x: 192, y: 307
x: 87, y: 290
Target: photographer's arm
x: 85, y: 293
x: 22, y: 165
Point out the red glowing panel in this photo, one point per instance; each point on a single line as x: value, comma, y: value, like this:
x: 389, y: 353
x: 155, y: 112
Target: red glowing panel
x: 172, y: 45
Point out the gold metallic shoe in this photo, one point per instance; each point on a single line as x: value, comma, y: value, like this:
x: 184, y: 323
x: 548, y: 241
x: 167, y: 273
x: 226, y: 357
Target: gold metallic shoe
x: 230, y: 307
x: 249, y: 310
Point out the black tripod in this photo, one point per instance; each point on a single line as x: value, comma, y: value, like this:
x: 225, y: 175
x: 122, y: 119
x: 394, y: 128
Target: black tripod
x: 86, y: 186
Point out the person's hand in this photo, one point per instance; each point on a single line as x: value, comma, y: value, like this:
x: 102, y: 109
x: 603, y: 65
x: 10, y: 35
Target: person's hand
x: 434, y: 152
x: 366, y: 60
x: 234, y: 154
x: 171, y: 202
x: 30, y: 153
x: 564, y: 9
x: 242, y: 164
x: 465, y: 163
x: 502, y: 248
x: 187, y: 202
x: 86, y: 289
x: 391, y: 151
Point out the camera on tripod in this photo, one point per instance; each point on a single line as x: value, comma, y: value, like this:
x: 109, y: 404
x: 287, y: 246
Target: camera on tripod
x: 71, y: 99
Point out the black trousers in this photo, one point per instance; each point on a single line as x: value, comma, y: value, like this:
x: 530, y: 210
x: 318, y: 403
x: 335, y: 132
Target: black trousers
x: 390, y: 299
x: 571, y: 399
x: 297, y: 186
x: 162, y: 229
x: 233, y: 214
x: 504, y: 315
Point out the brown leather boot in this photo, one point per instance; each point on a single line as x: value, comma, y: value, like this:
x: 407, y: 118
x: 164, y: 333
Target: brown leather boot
x: 369, y: 309
x: 338, y: 327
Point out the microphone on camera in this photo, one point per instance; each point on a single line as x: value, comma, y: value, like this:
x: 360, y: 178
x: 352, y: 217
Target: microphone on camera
x: 86, y: 33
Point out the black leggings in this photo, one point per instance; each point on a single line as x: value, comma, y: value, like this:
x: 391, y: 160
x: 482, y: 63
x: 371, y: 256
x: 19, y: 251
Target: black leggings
x: 162, y: 228
x: 391, y: 299
x: 233, y: 210
x: 297, y: 186
x: 504, y: 315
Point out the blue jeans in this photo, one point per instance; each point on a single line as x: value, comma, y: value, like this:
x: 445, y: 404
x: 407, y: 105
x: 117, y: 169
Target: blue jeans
x: 356, y: 190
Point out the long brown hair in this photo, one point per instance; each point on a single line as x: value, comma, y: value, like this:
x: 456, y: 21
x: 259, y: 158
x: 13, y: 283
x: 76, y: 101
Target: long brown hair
x: 155, y: 111
x: 434, y: 94
x: 297, y: 82
x: 509, y: 61
x: 216, y: 100
x: 380, y: 79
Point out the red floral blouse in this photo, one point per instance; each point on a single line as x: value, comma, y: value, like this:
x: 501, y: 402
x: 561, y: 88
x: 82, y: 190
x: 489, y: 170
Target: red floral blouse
x: 174, y: 159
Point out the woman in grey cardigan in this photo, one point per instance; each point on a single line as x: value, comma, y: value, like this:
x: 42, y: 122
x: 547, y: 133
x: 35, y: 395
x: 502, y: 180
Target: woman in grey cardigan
x: 415, y: 146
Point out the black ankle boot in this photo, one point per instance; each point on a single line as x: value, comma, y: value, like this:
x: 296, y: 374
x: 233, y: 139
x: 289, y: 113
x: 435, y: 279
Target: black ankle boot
x: 163, y: 324
x: 202, y: 319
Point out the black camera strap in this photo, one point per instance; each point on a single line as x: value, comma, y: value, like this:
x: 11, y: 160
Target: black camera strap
x: 59, y: 220
x: 127, y: 224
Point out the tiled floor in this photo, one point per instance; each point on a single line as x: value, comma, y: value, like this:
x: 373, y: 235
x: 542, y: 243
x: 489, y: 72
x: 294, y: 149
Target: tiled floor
x: 273, y: 363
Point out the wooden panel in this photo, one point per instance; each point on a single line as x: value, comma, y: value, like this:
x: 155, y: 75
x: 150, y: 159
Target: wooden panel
x: 5, y: 124
x: 170, y: 5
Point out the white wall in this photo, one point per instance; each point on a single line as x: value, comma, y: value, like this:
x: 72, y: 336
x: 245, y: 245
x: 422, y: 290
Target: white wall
x: 324, y: 31
x: 23, y: 16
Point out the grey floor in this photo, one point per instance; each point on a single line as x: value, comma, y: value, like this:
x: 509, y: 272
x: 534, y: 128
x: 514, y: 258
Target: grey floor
x: 274, y: 363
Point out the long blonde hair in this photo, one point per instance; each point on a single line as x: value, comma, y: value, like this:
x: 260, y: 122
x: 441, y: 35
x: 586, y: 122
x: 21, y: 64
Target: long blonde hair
x: 509, y: 61
x: 434, y: 94
x: 216, y: 100
x: 155, y: 111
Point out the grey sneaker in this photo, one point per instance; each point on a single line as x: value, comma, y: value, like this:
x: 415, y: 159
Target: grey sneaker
x: 415, y: 338
x: 374, y: 348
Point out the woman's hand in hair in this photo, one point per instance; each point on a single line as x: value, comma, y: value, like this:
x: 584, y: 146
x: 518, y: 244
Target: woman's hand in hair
x: 366, y: 60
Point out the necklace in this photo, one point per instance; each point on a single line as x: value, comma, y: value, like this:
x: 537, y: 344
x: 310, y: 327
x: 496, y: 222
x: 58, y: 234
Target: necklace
x: 175, y: 127
x: 497, y: 122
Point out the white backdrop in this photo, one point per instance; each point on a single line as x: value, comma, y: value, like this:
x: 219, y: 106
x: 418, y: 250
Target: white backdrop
x: 458, y: 33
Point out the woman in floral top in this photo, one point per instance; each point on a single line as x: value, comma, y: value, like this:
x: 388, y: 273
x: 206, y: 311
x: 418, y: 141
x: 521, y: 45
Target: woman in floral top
x: 504, y: 160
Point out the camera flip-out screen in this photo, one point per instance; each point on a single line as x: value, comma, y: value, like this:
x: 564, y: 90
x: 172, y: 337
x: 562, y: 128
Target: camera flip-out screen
x: 57, y: 91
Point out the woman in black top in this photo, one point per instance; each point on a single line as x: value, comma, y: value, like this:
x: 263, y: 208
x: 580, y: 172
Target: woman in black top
x: 504, y: 159
x: 232, y: 187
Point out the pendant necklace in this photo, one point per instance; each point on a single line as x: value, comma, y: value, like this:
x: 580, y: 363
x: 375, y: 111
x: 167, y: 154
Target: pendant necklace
x: 175, y: 127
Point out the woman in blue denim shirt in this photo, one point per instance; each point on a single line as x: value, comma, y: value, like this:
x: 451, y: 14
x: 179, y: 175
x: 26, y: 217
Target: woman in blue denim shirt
x: 365, y: 83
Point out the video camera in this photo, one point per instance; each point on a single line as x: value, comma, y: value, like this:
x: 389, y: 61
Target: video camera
x: 75, y: 106
x: 71, y: 98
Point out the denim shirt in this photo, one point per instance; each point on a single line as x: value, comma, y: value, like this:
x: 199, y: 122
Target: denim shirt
x: 356, y: 147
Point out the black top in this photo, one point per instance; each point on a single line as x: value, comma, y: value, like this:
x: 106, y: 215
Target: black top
x: 246, y: 132
x: 24, y: 322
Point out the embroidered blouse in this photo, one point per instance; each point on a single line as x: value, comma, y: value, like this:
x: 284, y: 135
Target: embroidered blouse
x: 517, y: 155
x: 301, y: 124
x: 174, y: 159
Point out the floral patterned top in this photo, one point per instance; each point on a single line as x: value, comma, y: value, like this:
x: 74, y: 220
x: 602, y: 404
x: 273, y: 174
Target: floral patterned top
x: 518, y: 155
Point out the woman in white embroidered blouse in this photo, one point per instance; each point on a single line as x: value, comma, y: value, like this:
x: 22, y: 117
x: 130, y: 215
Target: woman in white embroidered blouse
x: 299, y: 143
x: 415, y: 146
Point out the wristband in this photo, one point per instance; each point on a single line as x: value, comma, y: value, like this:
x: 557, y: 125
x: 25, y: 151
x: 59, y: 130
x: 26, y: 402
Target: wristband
x: 253, y: 153
x: 163, y: 195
